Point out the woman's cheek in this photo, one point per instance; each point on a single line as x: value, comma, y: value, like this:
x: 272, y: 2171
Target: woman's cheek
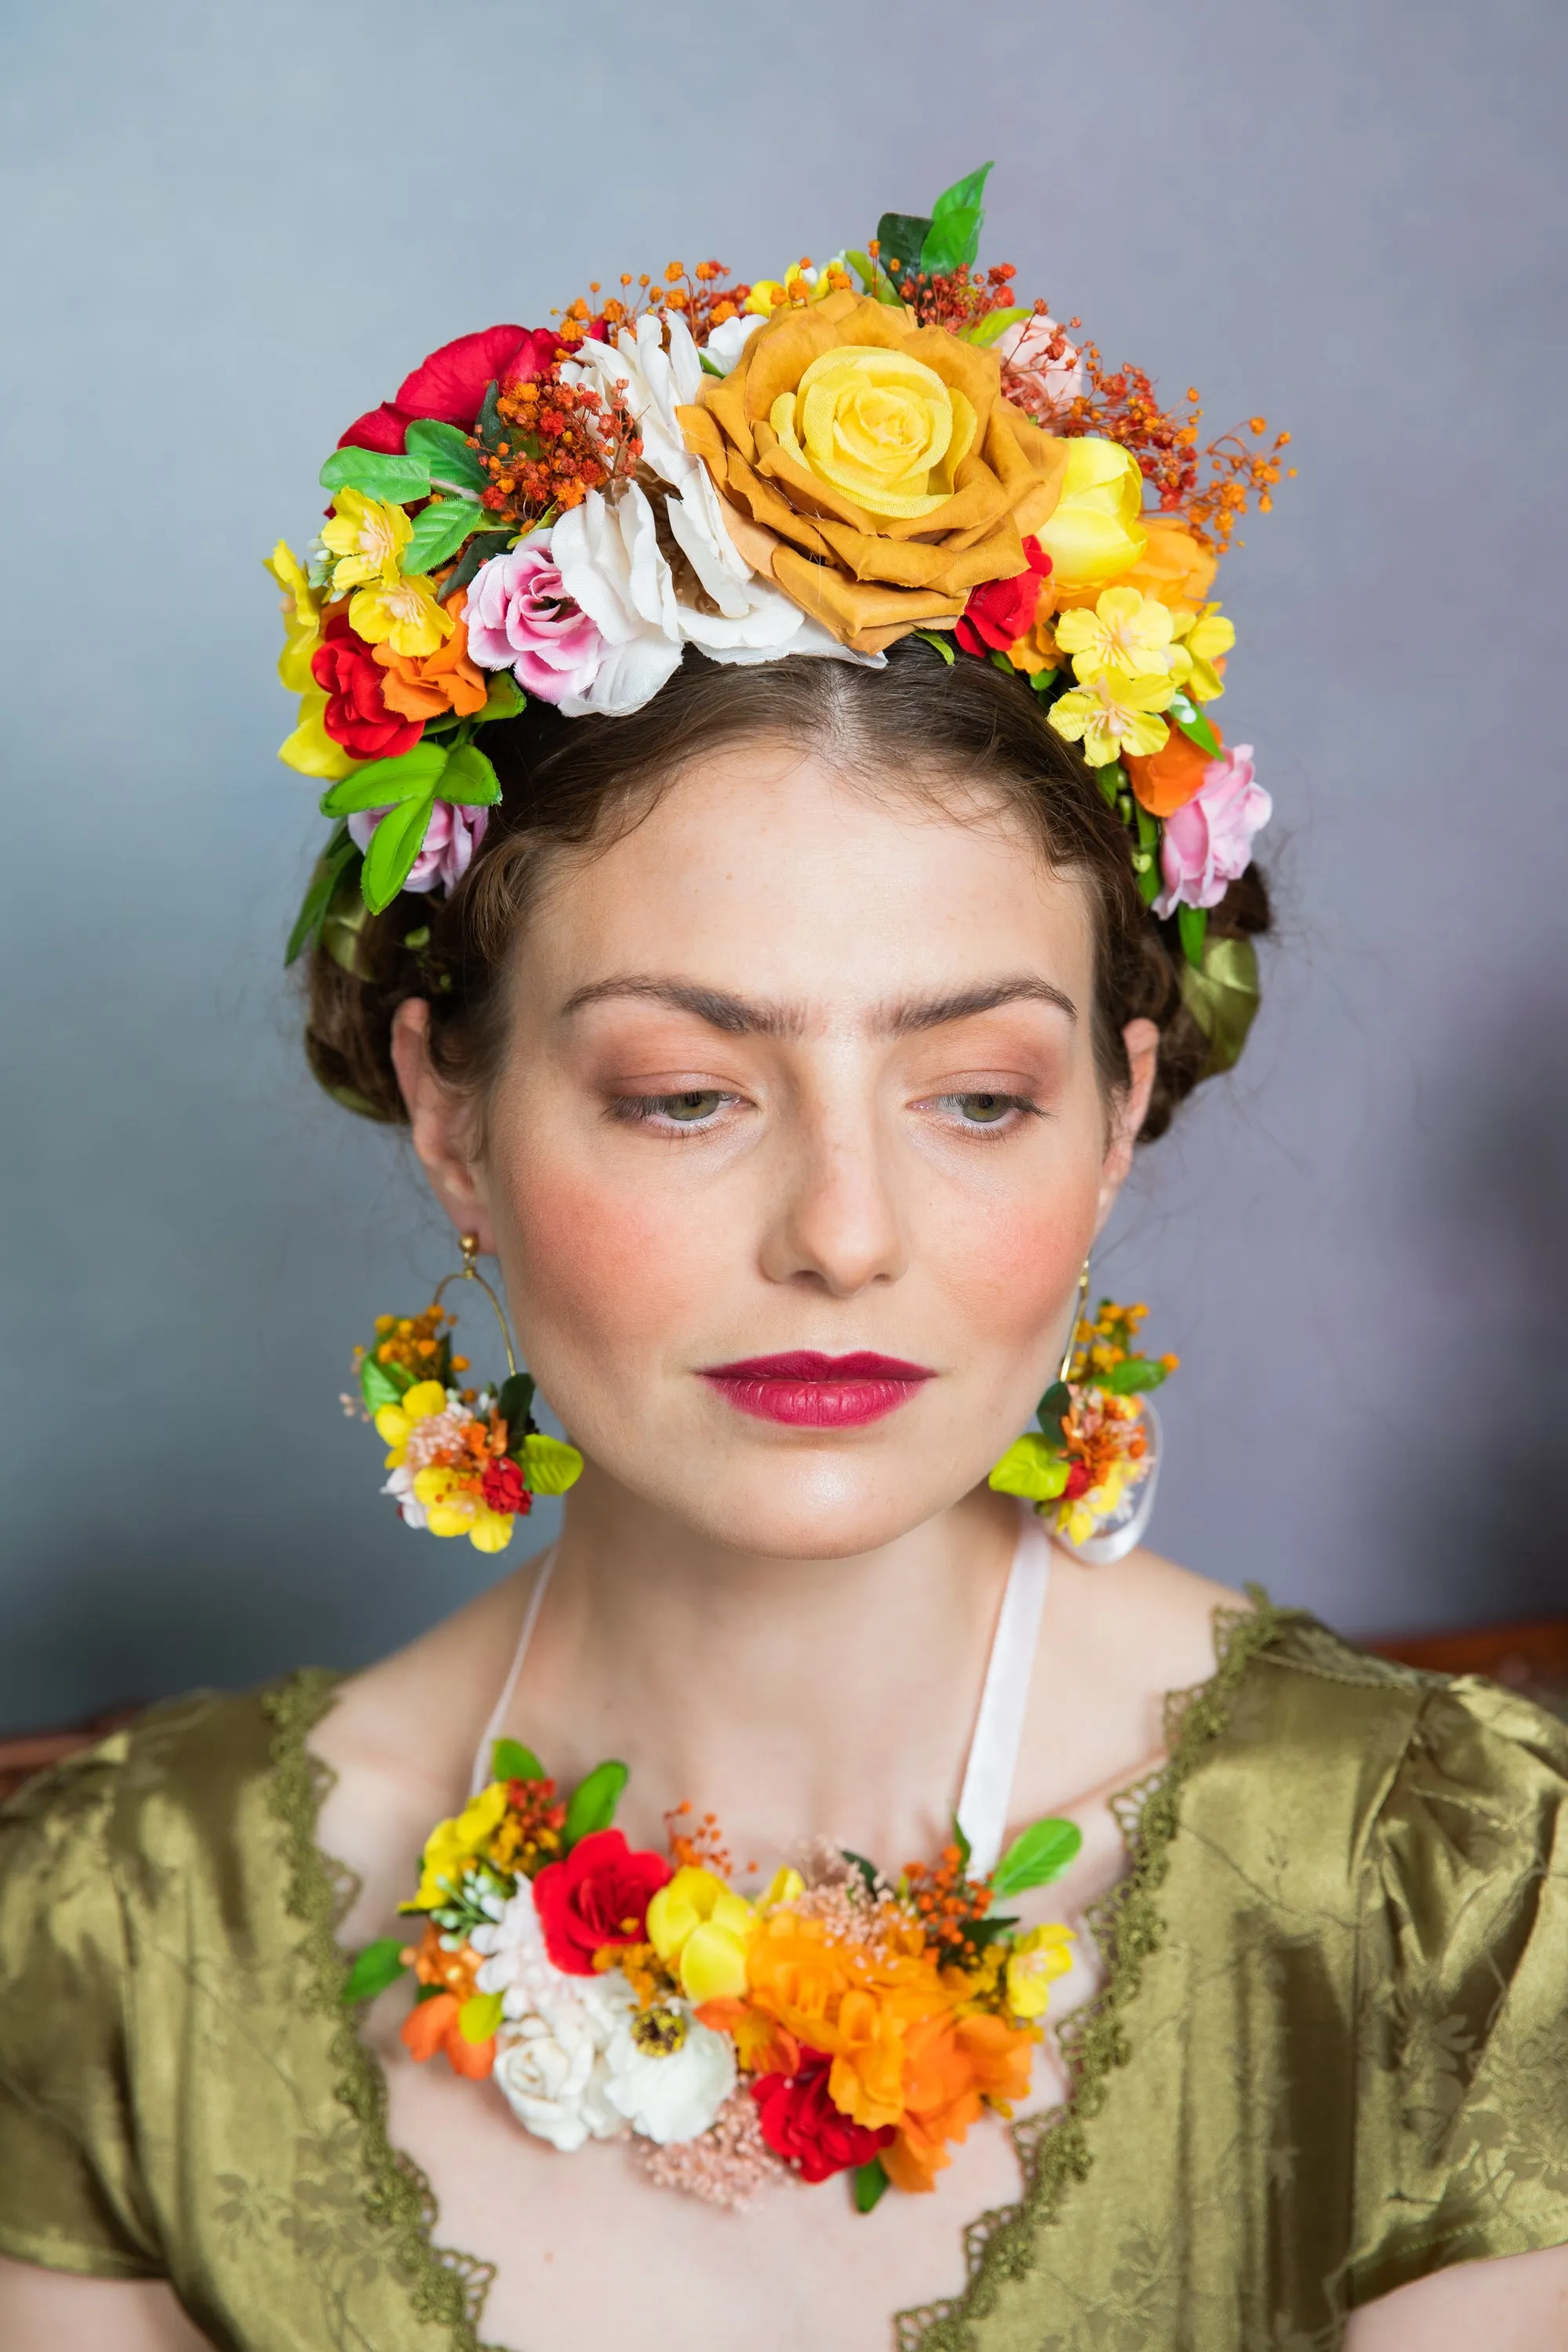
x: 1013, y: 1265
x: 596, y: 1270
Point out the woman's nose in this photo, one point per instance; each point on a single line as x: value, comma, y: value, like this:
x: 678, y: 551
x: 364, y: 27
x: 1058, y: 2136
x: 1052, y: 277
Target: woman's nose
x: 835, y: 1220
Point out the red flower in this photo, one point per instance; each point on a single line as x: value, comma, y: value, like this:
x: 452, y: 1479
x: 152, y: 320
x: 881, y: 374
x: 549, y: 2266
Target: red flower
x: 598, y: 1896
x: 504, y: 1490
x: 1000, y: 612
x: 356, y: 716
x: 1078, y: 1482
x: 800, y: 2122
x: 450, y: 384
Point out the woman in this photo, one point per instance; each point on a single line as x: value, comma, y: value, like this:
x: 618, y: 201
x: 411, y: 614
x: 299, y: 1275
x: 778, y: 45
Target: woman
x: 778, y: 997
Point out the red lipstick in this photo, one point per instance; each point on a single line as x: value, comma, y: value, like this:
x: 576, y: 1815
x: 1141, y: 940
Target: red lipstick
x: 815, y: 1392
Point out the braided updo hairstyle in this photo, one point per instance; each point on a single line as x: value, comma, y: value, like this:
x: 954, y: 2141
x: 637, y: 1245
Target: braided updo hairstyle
x: 572, y: 782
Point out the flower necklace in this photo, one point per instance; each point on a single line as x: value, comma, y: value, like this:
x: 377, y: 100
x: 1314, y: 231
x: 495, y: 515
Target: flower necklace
x: 834, y: 2022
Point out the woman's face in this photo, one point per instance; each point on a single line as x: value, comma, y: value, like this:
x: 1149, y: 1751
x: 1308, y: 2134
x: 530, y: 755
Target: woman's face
x: 797, y: 1152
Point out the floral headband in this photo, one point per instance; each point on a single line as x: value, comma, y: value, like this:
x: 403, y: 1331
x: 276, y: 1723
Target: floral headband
x: 820, y: 464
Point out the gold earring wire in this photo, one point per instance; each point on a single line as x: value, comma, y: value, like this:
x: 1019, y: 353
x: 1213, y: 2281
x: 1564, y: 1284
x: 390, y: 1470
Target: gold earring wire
x: 1077, y: 1319
x: 469, y: 1271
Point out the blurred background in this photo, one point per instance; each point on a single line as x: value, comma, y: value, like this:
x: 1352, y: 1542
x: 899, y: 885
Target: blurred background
x: 228, y: 231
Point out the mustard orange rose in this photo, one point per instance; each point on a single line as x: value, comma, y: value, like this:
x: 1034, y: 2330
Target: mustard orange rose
x: 871, y: 466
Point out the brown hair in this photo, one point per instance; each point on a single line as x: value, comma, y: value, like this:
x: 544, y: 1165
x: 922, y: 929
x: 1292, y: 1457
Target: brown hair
x: 570, y: 782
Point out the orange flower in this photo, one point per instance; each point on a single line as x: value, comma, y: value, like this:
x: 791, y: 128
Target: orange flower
x: 427, y: 685
x: 762, y: 2044
x: 1170, y: 777
x: 951, y: 2065
x: 1174, y: 566
x: 867, y: 2081
x: 432, y: 2025
x: 797, y: 1976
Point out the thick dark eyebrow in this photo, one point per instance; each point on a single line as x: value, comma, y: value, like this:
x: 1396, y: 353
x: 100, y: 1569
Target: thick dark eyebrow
x: 738, y: 1016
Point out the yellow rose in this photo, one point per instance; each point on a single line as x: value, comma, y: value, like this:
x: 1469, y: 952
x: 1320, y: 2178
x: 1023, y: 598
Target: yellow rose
x: 1094, y: 534
x: 698, y: 1927
x: 871, y: 467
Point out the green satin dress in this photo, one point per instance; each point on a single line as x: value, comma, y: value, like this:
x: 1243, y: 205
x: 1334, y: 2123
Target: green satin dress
x: 1330, y: 2054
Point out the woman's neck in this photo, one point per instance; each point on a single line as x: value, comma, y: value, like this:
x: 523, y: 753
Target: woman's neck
x: 793, y: 1697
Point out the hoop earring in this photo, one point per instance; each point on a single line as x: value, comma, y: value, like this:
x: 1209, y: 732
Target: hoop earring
x: 1092, y: 1465
x: 464, y: 1461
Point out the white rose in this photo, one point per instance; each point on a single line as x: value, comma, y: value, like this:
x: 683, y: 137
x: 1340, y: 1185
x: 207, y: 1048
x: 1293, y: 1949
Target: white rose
x: 552, y: 2078
x: 653, y: 383
x: 668, y: 2075
x: 610, y: 564
x: 515, y: 1963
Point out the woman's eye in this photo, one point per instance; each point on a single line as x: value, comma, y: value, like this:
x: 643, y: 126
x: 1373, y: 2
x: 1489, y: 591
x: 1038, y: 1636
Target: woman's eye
x: 982, y: 1109
x: 695, y: 1107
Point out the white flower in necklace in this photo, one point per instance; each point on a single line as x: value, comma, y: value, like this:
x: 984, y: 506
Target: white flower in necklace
x: 552, y: 2077
x: 668, y: 2075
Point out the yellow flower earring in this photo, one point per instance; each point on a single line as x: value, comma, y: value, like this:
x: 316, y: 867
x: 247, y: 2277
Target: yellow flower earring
x: 463, y: 1461
x: 1090, y: 1467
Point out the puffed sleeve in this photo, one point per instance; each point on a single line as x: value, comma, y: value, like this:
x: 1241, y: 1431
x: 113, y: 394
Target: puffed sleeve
x: 71, y: 2197
x: 1462, y: 1996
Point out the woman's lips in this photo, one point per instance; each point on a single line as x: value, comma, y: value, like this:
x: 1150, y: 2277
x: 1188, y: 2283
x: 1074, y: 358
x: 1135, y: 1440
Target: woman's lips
x: 816, y: 1391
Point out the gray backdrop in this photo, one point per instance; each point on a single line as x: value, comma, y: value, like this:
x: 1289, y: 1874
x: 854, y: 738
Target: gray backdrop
x: 229, y: 230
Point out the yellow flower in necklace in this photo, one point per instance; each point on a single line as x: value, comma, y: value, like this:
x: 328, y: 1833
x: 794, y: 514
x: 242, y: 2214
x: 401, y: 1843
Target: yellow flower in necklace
x: 1125, y: 630
x: 1036, y: 1959
x: 367, y: 536
x: 1113, y: 713
x: 403, y: 612
x: 702, y: 1929
x: 1202, y: 639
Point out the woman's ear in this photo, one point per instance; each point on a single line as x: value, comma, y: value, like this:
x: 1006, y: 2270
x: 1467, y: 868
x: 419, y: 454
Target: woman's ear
x: 442, y: 1124
x: 1142, y: 1041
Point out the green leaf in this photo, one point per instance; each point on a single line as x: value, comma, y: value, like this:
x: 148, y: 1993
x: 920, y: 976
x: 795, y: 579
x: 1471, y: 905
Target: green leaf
x: 868, y: 1870
x: 709, y: 366
x: 1223, y: 999
x: 548, y: 1467
x: 411, y: 776
x: 393, y: 846
x: 339, y: 852
x: 994, y: 326
x: 479, y: 2018
x: 900, y: 238
x: 594, y: 1802
x: 376, y: 1966
x: 514, y: 1404
x: 505, y: 698
x: 1043, y: 680
x: 439, y: 529
x: 446, y: 454
x: 426, y: 1992
x: 1194, y: 726
x: 1131, y: 1377
x: 964, y: 194
x: 951, y: 241
x: 479, y: 550
x: 382, y: 1383
x: 469, y: 779
x: 935, y: 638
x: 1111, y: 780
x: 377, y: 475
x: 1193, y: 923
x: 490, y: 424
x: 1031, y: 1467
x: 511, y: 1760
x: 871, y: 2185
x: 1054, y: 1405
x: 1041, y: 1854
x: 1149, y: 883
x: 961, y: 1841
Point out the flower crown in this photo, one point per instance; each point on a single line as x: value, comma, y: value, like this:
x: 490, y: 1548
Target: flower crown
x: 820, y: 464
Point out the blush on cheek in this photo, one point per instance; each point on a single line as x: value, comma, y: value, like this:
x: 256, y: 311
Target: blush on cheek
x: 597, y: 1274
x: 1011, y: 1268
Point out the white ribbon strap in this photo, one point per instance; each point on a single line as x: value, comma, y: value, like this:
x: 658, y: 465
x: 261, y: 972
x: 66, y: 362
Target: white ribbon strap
x: 1004, y: 1703
x: 480, y: 1778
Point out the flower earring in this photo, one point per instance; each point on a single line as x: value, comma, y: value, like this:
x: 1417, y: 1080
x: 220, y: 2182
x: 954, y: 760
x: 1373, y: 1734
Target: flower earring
x: 464, y: 1461
x: 1092, y: 1466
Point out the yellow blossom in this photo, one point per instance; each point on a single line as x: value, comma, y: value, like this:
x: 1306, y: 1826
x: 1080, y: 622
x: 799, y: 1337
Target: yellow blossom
x: 301, y: 619
x: 1077, y: 1520
x: 783, y: 1886
x: 367, y: 536
x: 454, y: 1507
x: 766, y: 296
x: 700, y: 1928
x: 1203, y: 639
x: 403, y: 612
x: 1093, y: 533
x: 880, y: 425
x: 452, y: 1845
x: 1034, y: 1962
x: 309, y: 748
x: 395, y: 1422
x: 1113, y: 713
x: 1125, y: 630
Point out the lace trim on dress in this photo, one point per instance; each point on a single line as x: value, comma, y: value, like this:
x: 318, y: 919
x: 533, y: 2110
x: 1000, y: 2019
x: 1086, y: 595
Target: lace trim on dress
x: 448, y: 2287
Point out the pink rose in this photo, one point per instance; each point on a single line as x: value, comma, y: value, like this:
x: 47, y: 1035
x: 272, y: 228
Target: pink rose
x: 521, y: 618
x: 451, y: 838
x: 1025, y: 351
x: 1208, y: 843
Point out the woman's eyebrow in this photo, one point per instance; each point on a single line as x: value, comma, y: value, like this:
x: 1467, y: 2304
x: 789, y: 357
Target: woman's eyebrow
x: 740, y: 1017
